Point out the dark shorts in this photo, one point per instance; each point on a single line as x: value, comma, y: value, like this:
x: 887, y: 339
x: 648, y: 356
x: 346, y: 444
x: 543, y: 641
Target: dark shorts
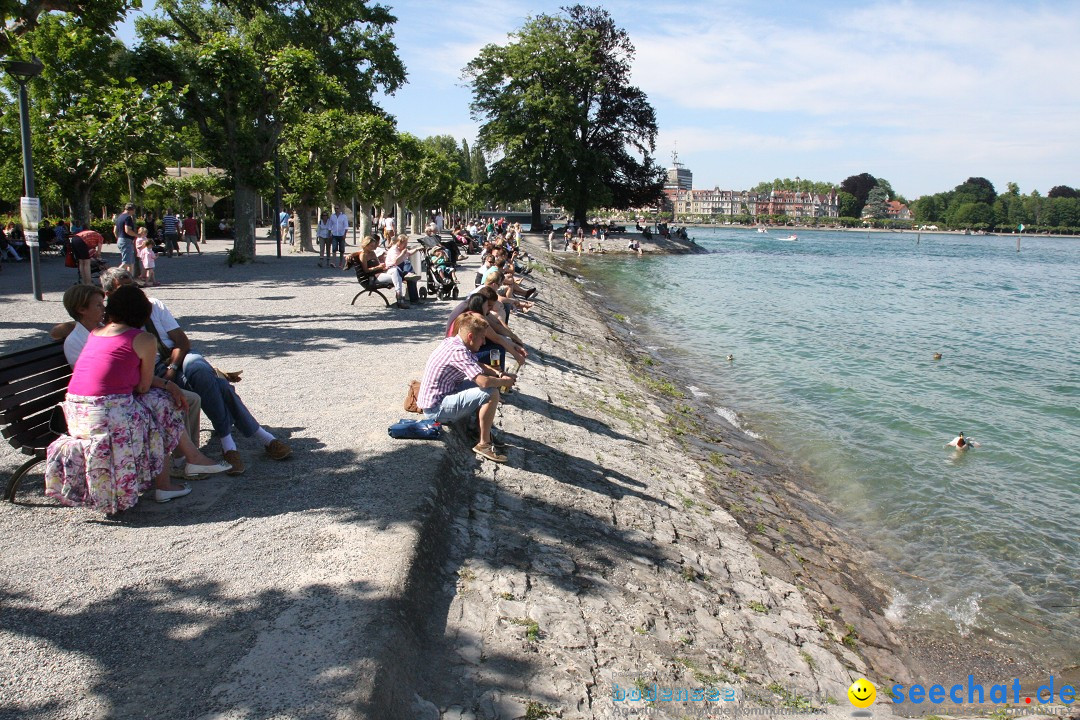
x: 337, y: 243
x: 79, y: 249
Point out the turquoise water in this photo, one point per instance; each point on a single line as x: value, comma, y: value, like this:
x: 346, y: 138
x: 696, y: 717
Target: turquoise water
x: 833, y: 338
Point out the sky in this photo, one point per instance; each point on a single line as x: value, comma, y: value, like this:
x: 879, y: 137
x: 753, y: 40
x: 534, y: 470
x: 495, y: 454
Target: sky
x: 923, y: 94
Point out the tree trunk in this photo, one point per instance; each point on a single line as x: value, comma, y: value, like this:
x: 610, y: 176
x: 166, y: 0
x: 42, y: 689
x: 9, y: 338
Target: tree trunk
x: 366, y: 211
x: 417, y: 216
x: 399, y: 214
x: 82, y: 207
x: 535, y: 221
x: 244, y: 223
x: 303, y: 214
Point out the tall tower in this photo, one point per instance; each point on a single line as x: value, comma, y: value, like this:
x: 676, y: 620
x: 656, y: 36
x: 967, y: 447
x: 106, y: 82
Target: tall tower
x: 679, y: 178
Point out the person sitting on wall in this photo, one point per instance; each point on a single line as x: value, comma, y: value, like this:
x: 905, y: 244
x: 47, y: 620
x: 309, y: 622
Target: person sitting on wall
x: 455, y: 386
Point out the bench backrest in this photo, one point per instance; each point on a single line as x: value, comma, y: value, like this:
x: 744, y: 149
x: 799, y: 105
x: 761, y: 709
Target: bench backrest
x: 32, y: 383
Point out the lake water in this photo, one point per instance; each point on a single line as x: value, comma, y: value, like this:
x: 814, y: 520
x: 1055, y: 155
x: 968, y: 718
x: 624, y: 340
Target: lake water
x: 833, y: 338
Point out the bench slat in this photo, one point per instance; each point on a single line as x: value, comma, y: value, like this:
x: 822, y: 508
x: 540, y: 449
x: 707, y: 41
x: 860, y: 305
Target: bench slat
x: 39, y: 403
x: 28, y: 385
x: 36, y: 436
x: 10, y: 407
x: 26, y: 357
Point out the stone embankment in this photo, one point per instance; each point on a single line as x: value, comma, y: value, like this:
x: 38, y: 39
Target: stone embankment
x: 627, y: 543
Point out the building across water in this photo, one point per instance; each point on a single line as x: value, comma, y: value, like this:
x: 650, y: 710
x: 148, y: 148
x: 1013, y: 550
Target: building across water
x: 682, y: 199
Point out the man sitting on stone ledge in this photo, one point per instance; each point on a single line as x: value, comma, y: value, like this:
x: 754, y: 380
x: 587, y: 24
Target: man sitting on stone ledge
x: 455, y: 385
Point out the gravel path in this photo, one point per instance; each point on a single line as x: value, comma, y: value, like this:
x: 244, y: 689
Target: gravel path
x: 264, y: 594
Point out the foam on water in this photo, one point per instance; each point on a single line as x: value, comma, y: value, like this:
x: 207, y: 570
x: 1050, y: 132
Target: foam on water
x: 736, y: 423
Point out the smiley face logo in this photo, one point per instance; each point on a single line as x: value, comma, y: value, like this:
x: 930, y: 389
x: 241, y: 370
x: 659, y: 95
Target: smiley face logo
x: 862, y: 693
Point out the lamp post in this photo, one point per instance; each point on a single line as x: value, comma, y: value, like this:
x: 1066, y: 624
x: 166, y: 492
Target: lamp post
x: 23, y: 71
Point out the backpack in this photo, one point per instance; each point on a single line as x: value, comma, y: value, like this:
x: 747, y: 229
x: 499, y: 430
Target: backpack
x: 415, y: 430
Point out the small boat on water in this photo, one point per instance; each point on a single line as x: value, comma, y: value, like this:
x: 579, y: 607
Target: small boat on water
x: 762, y: 230
x: 791, y: 238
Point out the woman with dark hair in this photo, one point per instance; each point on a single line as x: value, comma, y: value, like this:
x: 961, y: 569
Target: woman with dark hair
x: 116, y: 446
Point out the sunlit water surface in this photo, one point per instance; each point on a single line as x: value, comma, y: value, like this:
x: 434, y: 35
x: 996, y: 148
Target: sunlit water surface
x: 833, y: 339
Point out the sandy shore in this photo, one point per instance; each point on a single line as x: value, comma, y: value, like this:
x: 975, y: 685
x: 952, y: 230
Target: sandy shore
x: 367, y: 577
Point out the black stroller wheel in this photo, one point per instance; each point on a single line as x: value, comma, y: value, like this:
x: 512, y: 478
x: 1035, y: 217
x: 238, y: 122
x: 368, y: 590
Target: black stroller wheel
x: 454, y: 292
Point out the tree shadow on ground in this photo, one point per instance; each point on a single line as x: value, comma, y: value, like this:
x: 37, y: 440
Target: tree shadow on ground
x: 185, y: 647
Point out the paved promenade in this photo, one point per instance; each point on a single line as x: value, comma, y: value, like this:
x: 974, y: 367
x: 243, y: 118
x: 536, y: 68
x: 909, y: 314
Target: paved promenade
x: 254, y: 595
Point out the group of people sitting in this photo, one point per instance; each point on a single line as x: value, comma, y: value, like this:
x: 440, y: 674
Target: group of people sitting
x: 467, y: 375
x: 134, y: 378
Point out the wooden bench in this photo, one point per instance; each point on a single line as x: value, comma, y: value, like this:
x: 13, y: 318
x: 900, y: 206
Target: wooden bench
x: 32, y: 384
x: 371, y: 286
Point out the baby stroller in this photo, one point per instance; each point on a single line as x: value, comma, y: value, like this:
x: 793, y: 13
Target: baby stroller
x: 440, y: 278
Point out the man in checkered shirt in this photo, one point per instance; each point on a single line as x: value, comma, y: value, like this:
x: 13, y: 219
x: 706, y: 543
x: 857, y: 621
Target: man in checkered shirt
x: 455, y: 385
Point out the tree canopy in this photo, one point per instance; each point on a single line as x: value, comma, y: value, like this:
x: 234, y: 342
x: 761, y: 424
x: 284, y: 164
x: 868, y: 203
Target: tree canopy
x: 561, y: 116
x: 248, y: 69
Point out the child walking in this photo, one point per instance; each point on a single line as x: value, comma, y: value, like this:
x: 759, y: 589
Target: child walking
x: 146, y: 257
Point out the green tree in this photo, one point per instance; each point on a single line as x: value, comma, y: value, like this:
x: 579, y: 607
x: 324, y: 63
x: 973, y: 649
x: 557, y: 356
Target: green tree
x: 859, y: 187
x: 970, y: 214
x: 849, y: 204
x: 877, y: 204
x: 20, y: 17
x: 251, y: 68
x: 90, y: 119
x: 559, y: 108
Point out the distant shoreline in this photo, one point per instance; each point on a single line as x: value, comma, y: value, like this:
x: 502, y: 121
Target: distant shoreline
x: 886, y: 231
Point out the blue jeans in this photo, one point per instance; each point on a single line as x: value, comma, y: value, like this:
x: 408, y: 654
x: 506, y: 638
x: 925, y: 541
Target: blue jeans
x: 126, y: 246
x: 219, y: 400
x: 466, y: 402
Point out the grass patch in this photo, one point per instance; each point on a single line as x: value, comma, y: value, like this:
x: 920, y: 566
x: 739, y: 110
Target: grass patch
x: 619, y: 317
x: 628, y: 401
x: 760, y: 527
x: 737, y: 508
x: 717, y: 459
x: 789, y: 700
x: 536, y: 711
x: 759, y: 607
x: 466, y: 573
x: 619, y: 413
x: 700, y: 675
x: 532, y: 628
x: 851, y: 638
x: 735, y: 668
x: 808, y: 660
x: 689, y: 574
x: 662, y: 386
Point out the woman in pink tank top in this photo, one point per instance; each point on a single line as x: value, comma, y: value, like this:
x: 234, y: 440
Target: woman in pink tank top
x: 116, y: 447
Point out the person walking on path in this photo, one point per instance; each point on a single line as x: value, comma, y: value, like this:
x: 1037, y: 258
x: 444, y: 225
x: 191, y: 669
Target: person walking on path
x: 323, y: 234
x: 338, y: 225
x: 147, y: 256
x: 283, y: 225
x: 125, y: 237
x: 170, y: 225
x: 191, y: 233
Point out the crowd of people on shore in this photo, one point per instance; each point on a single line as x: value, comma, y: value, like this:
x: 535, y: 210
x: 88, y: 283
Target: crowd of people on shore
x: 137, y: 389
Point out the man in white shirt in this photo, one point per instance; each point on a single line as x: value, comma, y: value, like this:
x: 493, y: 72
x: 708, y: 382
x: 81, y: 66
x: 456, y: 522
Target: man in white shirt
x: 339, y: 225
x: 191, y: 371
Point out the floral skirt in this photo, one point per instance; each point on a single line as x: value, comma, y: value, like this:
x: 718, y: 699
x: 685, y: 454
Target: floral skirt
x: 116, y: 445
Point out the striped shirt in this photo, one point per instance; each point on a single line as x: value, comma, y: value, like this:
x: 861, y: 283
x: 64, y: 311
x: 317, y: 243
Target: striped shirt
x: 169, y: 225
x: 448, y: 366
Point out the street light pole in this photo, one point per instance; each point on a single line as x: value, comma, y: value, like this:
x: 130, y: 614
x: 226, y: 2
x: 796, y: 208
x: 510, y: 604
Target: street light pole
x: 277, y: 201
x: 22, y: 71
